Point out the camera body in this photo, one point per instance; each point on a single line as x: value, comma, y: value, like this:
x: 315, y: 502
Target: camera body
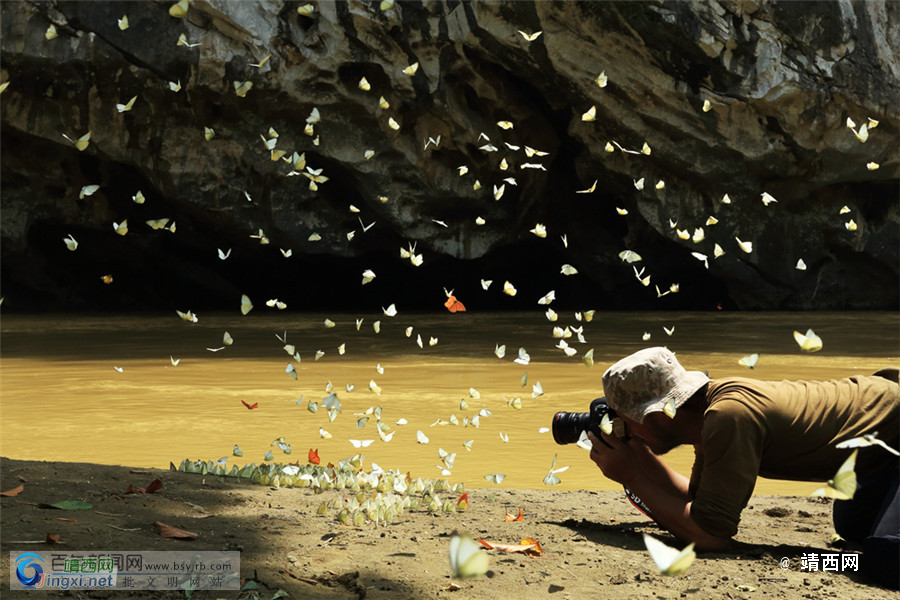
x: 567, y: 427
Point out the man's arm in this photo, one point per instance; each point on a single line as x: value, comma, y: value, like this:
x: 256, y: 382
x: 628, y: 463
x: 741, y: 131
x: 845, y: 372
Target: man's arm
x: 663, y: 490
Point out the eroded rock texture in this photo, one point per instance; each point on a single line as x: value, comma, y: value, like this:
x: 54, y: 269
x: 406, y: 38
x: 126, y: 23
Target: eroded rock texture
x: 781, y: 79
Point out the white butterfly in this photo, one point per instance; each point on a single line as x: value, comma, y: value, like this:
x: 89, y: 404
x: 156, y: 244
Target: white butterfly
x: 537, y: 390
x: 749, y: 361
x: 670, y: 561
x: 486, y: 283
x: 869, y: 439
x: 669, y: 331
x: 551, y: 478
x: 500, y: 350
x: 174, y: 361
x: 547, y: 298
x: 224, y: 255
x: 71, y: 243
x: 467, y: 558
x: 504, y: 437
x: 496, y: 477
x: 421, y: 437
x: 361, y: 443
x: 390, y: 311
x: 523, y: 358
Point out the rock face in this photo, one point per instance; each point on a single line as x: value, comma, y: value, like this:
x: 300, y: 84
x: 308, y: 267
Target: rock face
x: 780, y: 79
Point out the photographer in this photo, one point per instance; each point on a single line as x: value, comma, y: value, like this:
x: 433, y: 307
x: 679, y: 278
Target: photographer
x: 742, y: 428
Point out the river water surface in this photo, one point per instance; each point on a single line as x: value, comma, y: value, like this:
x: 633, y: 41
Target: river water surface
x: 63, y: 398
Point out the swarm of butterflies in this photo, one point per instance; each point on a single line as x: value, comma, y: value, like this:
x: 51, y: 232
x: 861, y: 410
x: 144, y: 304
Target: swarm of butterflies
x: 381, y: 496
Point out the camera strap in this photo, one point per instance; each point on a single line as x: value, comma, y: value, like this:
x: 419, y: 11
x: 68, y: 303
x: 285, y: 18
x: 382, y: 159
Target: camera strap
x: 639, y: 504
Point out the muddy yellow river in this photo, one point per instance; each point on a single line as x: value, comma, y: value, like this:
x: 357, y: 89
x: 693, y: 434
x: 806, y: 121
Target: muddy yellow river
x: 103, y: 389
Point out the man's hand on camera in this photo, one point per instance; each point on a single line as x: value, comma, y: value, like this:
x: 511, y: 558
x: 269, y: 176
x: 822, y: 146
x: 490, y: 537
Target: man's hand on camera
x: 619, y: 460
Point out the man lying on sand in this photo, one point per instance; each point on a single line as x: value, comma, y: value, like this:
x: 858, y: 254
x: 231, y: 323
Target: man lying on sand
x: 742, y: 428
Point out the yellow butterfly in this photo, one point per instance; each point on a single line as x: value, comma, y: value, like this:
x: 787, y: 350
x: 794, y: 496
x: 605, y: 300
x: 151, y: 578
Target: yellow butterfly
x: 590, y: 114
x: 81, y: 143
x: 179, y: 9
x: 645, y: 149
x: 669, y: 408
x: 539, y: 230
x: 706, y: 106
x: 745, y: 246
x: 602, y: 80
x: 306, y: 10
x: 670, y: 561
x: 242, y: 87
x: 183, y: 41
x: 467, y: 558
x: 809, y: 342
x: 51, y: 32
x: 175, y: 86
x: 411, y: 69
x: 568, y: 270
x: 589, y: 190
x: 588, y: 358
x: 246, y: 304
x: 509, y: 289
x: 505, y: 124
x: 393, y: 124
x: 718, y: 251
x: 127, y: 106
x: 123, y: 22
x: 843, y: 486
x: 121, y: 228
x: 872, y: 166
x: 3, y: 86
x: 386, y: 5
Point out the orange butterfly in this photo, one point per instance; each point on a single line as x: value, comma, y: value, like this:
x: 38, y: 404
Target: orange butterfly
x: 511, y: 517
x: 454, y: 305
x: 314, y: 456
x: 250, y: 406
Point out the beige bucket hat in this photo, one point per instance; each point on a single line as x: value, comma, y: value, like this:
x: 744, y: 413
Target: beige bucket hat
x: 643, y: 382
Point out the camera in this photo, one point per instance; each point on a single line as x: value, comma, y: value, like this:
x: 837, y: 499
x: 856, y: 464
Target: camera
x: 567, y: 427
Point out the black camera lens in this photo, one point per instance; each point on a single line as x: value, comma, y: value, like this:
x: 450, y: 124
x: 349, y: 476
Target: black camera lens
x: 567, y: 427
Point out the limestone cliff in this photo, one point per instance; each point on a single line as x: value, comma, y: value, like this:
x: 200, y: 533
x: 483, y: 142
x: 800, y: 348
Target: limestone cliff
x: 740, y: 97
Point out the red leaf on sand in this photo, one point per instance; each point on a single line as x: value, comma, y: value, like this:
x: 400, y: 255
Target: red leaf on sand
x: 52, y: 539
x: 250, y: 406
x: 314, y: 456
x: 512, y: 517
x: 156, y: 484
x: 173, y: 532
x: 15, y: 491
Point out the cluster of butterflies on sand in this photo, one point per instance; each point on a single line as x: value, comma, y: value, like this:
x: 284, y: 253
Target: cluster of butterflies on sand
x: 466, y: 557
